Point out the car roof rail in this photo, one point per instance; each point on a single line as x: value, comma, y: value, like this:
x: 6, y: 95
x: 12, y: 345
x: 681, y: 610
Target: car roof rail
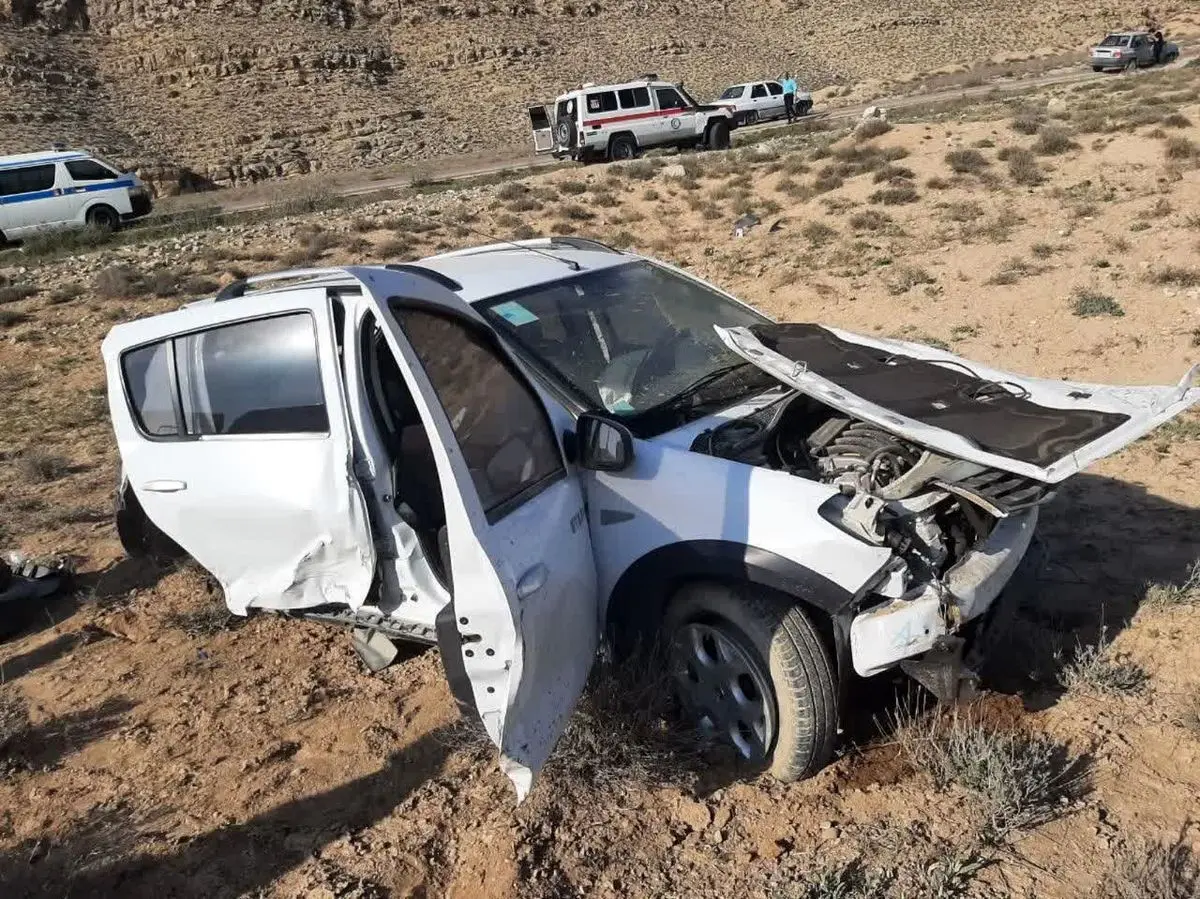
x: 584, y: 243
x: 239, y: 287
x: 420, y: 270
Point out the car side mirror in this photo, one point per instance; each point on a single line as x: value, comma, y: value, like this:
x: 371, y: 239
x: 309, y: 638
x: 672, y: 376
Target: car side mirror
x: 602, y: 444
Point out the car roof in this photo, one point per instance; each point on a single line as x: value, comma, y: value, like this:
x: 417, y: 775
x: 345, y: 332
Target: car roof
x: 475, y: 274
x: 490, y: 271
x: 43, y: 157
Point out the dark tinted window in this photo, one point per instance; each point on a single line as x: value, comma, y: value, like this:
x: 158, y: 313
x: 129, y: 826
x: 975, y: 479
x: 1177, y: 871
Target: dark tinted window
x: 668, y: 98
x: 633, y: 97
x: 760, y: 90
x: 88, y: 170
x: 256, y: 377
x: 775, y: 88
x: 498, y: 420
x: 148, y: 380
x: 603, y: 102
x: 26, y: 180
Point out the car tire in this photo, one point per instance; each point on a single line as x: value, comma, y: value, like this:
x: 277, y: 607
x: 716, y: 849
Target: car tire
x: 717, y: 136
x: 1097, y: 68
x: 103, y: 218
x: 1131, y: 66
x: 784, y: 657
x: 752, y: 117
x: 622, y: 147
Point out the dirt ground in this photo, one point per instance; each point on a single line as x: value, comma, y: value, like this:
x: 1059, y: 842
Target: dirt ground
x: 151, y: 746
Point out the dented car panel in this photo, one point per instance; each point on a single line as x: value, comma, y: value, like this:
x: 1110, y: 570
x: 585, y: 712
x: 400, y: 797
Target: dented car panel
x: 1080, y: 423
x: 278, y: 519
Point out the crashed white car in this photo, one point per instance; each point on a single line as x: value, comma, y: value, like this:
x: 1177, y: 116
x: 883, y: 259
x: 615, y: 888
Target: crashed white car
x: 515, y: 449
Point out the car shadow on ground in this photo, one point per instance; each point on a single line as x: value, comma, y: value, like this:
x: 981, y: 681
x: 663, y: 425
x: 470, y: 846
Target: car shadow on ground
x: 119, y: 850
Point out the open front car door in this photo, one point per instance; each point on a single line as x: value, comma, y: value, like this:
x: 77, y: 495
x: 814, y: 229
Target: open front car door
x: 523, y: 580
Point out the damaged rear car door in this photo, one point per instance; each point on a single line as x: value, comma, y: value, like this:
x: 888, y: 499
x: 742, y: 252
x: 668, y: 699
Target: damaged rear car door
x: 1040, y: 428
x: 234, y: 439
x: 522, y: 574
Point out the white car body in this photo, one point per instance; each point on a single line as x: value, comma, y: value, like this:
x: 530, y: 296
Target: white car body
x: 597, y: 121
x: 310, y: 515
x: 55, y: 191
x: 760, y: 101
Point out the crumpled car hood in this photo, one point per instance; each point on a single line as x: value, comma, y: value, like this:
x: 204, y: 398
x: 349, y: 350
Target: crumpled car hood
x: 1039, y: 428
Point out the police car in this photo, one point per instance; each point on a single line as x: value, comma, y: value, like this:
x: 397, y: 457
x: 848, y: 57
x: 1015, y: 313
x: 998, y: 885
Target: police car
x: 62, y: 189
x: 619, y: 121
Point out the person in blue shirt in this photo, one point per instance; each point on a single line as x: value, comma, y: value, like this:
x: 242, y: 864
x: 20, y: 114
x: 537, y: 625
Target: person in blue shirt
x: 789, y: 96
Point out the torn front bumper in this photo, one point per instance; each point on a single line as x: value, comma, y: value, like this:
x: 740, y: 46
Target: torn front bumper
x: 925, y: 618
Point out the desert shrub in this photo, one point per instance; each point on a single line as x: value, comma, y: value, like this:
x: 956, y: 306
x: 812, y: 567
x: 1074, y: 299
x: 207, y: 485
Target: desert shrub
x: 1177, y: 120
x: 65, y: 293
x: 1017, y: 778
x: 1095, y: 669
x: 1053, y: 140
x: 1023, y: 167
x: 572, y: 188
x: 511, y: 191
x: 818, y: 233
x: 1025, y: 124
x: 827, y: 180
x: 896, y: 195
x: 1178, y: 275
x: 650, y: 194
x: 117, y: 282
x: 904, y: 278
x: 1012, y: 271
x: 1088, y: 303
x: 936, y: 182
x: 967, y: 161
x: 41, y: 467
x: 1179, y: 147
x: 1166, y: 596
x: 1152, y: 870
x: 891, y: 173
x: 870, y: 220
x: 1043, y: 250
x: 10, y: 317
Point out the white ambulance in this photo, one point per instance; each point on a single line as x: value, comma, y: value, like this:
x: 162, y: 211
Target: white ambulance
x: 61, y: 189
x: 619, y: 121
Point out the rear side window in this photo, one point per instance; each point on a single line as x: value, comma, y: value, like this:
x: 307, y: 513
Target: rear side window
x: 633, y: 97
x: 256, y: 377
x: 602, y: 102
x: 26, y: 180
x: 89, y: 170
x: 760, y: 90
x: 147, y: 374
x: 775, y: 88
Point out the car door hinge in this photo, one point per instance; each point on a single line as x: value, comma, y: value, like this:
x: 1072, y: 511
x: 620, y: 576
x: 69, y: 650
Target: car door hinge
x: 385, y: 550
x: 362, y: 470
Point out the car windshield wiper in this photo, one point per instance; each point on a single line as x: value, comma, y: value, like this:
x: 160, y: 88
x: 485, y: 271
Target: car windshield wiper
x: 687, y: 396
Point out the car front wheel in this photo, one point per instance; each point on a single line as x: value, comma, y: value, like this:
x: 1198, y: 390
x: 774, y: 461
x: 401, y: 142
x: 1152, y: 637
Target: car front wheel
x: 752, y: 671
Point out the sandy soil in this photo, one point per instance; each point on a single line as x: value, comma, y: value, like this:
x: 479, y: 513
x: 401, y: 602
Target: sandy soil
x: 157, y: 749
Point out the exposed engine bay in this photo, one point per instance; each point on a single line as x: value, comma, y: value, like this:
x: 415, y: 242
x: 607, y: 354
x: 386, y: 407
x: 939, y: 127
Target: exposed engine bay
x: 928, y: 508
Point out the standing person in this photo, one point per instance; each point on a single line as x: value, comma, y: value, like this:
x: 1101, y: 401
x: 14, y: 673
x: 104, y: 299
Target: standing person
x: 789, y: 96
x: 1158, y: 47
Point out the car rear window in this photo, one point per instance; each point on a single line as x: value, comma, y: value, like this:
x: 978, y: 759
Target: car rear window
x: 1115, y: 40
x: 254, y: 377
x: 732, y: 93
x: 605, y: 101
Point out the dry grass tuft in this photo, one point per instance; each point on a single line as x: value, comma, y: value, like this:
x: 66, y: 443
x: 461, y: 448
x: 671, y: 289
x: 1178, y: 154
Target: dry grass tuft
x: 904, y: 278
x: 41, y: 467
x: 967, y: 161
x: 1152, y: 870
x: 1179, y: 148
x: 1169, y: 596
x: 1013, y: 270
x: 1088, y: 303
x: 1053, y: 140
x: 1177, y: 275
x: 896, y: 195
x: 818, y: 233
x: 1023, y: 167
x: 1018, y: 779
x: 1097, y: 671
x: 870, y: 220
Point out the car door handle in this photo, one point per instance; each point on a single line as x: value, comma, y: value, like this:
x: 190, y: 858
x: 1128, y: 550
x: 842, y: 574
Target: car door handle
x: 532, y: 581
x: 165, y: 486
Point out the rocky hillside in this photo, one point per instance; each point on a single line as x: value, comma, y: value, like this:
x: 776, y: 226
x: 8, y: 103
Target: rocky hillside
x: 237, y: 91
